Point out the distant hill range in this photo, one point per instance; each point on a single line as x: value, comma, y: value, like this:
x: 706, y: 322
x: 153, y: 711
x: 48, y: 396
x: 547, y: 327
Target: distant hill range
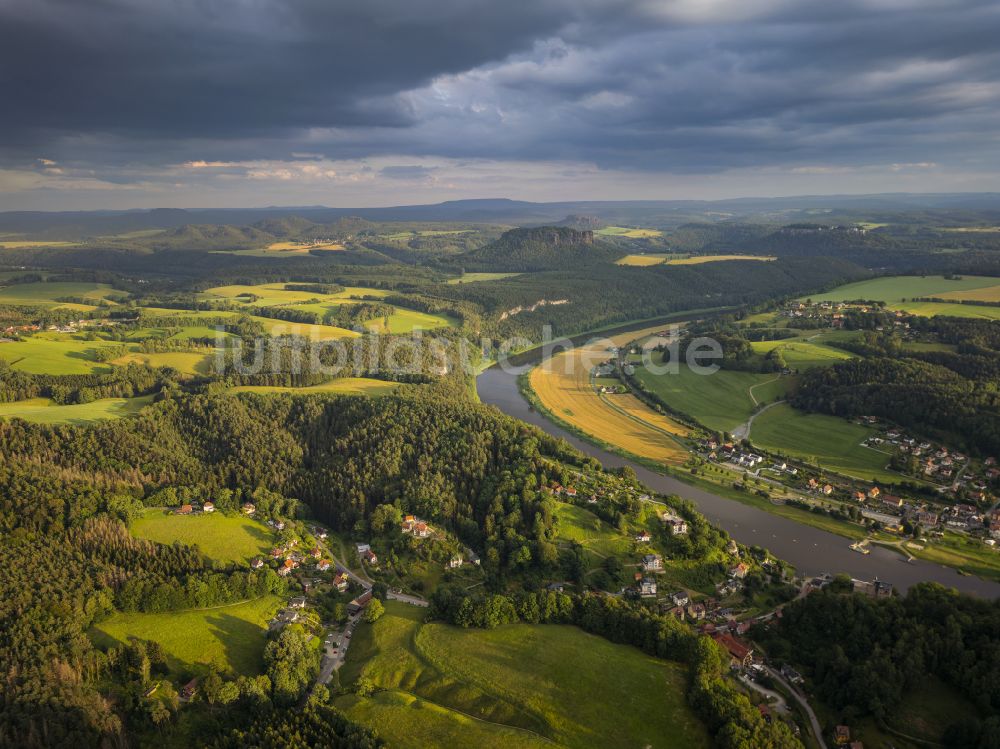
x: 582, y: 222
x: 575, y: 214
x: 540, y: 248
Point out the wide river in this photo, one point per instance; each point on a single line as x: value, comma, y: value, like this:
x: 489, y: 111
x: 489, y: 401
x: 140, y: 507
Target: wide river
x: 811, y: 550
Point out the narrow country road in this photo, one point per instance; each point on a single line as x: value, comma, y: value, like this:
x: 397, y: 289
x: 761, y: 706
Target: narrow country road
x: 813, y: 720
x: 743, y: 430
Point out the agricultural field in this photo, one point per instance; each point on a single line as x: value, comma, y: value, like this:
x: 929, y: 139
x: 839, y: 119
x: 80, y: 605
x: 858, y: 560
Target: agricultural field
x: 223, y: 538
x: 630, y: 232
x: 721, y: 401
x: 830, y: 441
x: 54, y: 353
x: 8, y: 244
x: 189, y: 363
x: 563, y: 386
x: 341, y: 386
x: 476, y: 277
x: 698, y: 259
x: 802, y: 353
x: 644, y: 260
x: 45, y: 293
x: 413, y: 234
x: 897, y: 291
x: 230, y: 638
x: 515, y: 686
x: 985, y: 294
x: 47, y: 411
x: 275, y: 294
x: 894, y: 289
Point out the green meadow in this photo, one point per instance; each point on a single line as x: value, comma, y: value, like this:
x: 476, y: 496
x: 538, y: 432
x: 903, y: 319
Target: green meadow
x: 514, y: 686
x: 230, y: 638
x: 54, y: 353
x: 720, y: 401
x: 476, y: 277
x: 403, y: 320
x: 223, y: 538
x: 600, y: 539
x: 626, y: 231
x: 47, y: 411
x: 833, y: 442
x: 342, y: 386
x: 892, y: 289
x: 45, y: 294
x: 896, y: 290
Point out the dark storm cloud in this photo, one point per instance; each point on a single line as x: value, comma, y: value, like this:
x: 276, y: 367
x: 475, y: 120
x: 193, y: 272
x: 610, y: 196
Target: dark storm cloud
x: 671, y: 85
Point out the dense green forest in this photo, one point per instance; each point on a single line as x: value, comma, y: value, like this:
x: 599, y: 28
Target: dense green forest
x: 863, y: 655
x: 947, y: 394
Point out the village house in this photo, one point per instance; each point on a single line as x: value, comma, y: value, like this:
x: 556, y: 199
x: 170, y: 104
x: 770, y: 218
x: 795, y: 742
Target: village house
x: 362, y: 548
x: 279, y: 525
x: 859, y: 496
x: 359, y: 603
x: 185, y: 510
x: 739, y: 571
x: 680, y: 598
x: 369, y: 556
x: 208, y: 507
x: 740, y: 653
x: 323, y: 565
x: 286, y: 568
x: 316, y: 552
x: 277, y: 552
x: 652, y: 563
x: 248, y: 508
x: 827, y: 489
x: 874, y: 492
x: 647, y: 587
x: 455, y: 561
x: 841, y: 735
x: 696, y: 611
x: 643, y: 537
x: 421, y: 530
x: 298, y: 602
x: 340, y: 581
x: 892, y: 502
x: 570, y: 491
x: 257, y: 563
x: 472, y: 557
x: 189, y: 690
x: 927, y: 519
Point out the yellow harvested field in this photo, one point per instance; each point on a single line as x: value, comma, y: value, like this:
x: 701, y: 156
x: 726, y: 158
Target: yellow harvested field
x: 698, y: 259
x: 986, y: 294
x: 300, y: 247
x: 643, y: 260
x: 564, y: 387
x: 21, y: 243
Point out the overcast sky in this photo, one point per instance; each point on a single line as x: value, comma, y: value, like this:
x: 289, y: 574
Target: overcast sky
x: 188, y: 103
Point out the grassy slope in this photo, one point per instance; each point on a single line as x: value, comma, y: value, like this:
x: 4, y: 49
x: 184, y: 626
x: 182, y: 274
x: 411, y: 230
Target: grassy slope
x: 720, y: 401
x: 47, y: 411
x: 230, y: 637
x: 896, y: 288
x: 273, y: 294
x: 45, y: 294
x: 225, y: 538
x: 549, y: 681
x: 835, y: 442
